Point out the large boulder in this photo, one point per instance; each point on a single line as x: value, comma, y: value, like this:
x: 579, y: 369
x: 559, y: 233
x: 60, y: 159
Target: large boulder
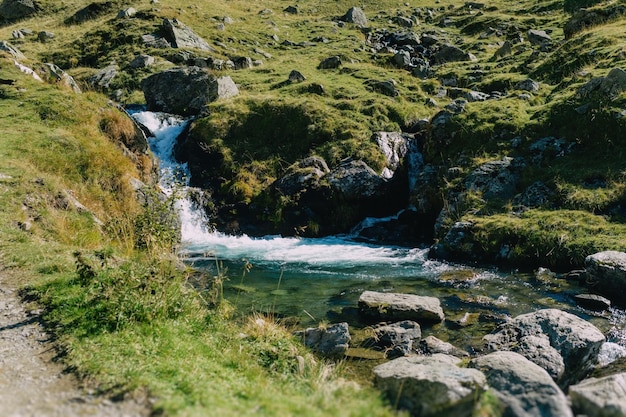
x: 355, y: 15
x: 606, y: 272
x: 431, y: 386
x: 355, y: 180
x: 451, y: 53
x: 399, y: 339
x: 185, y: 90
x: 523, y: 388
x: 600, y: 397
x: 180, y: 36
x: 395, y: 306
x: 563, y: 344
x: 17, y: 9
x: 612, y: 85
x: 495, y: 179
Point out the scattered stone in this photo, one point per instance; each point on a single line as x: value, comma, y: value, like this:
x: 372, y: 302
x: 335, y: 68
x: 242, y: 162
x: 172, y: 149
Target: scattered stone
x: 355, y: 180
x: 291, y: 10
x: 592, y: 302
x: 473, y: 96
x: 430, y: 386
x: 316, y: 88
x: 606, y: 274
x: 403, y: 21
x: 387, y: 87
x: 505, y: 50
x: 398, y: 338
x: 45, y: 36
x: 432, y: 345
x: 527, y: 85
x: 56, y: 75
x: 296, y: 77
x: 495, y: 179
x: 17, y: 9
x: 13, y: 51
x: 450, y: 53
x: 332, y: 341
x: 142, y: 61
x: 395, y: 306
x: 127, y: 13
x: 180, y: 36
x: 242, y: 62
x: 539, y: 37
x: 600, y: 396
x: 332, y: 62
x: 102, y: 78
x: 561, y: 343
x: 91, y: 11
x: 185, y: 90
x: 523, y: 388
x: 355, y: 15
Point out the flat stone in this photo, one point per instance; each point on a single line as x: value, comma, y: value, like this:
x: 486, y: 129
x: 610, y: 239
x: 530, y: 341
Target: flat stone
x: 395, y: 306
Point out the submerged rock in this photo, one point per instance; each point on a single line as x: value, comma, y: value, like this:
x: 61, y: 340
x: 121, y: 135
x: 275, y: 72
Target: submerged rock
x: 431, y: 386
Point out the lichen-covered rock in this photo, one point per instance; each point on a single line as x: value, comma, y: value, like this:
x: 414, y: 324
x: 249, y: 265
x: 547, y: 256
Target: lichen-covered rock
x: 355, y: 180
x: 451, y: 53
x: 523, y: 388
x: 180, y: 36
x: 600, y: 397
x: 606, y: 273
x: 395, y: 306
x: 185, y: 90
x: 355, y: 15
x: 563, y: 344
x: 331, y: 341
x: 398, y: 338
x: 430, y: 386
x: 495, y: 179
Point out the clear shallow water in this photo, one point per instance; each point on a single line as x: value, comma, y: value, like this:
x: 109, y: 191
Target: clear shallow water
x: 313, y: 280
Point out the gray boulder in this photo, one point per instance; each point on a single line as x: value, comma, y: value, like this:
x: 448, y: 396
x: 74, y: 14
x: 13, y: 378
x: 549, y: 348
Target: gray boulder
x: 527, y: 85
x: 430, y: 386
x: 355, y: 180
x: 523, y: 388
x: 11, y: 50
x: 180, y: 36
x: 296, y: 76
x: 102, y: 78
x: 387, y: 87
x: 563, y: 344
x: 398, y: 338
x: 600, y: 397
x: 592, y: 301
x: 606, y: 273
x: 304, y: 174
x: 450, y: 53
x: 141, y: 61
x: 355, y: 15
x: 432, y: 345
x: 331, y: 341
x: 394, y: 145
x: 495, y: 179
x: 17, y: 9
x: 54, y: 74
x: 395, y: 306
x: 127, y: 13
x: 539, y: 37
x: 185, y: 90
x: 332, y: 62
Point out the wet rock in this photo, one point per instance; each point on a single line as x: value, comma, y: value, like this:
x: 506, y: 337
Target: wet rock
x: 563, y: 344
x: 430, y: 386
x: 185, y: 90
x: 332, y: 62
x: 600, y: 396
x: 606, y: 273
x: 523, y: 388
x: 17, y: 9
x: 394, y: 145
x: 332, y: 341
x: 398, y: 338
x: 395, y: 306
x: 592, y: 301
x: 432, y: 345
x: 355, y: 15
x: 301, y: 176
x: 180, y: 36
x: 355, y: 180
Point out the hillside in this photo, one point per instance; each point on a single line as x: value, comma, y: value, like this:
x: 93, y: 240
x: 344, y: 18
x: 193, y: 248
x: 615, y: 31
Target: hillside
x: 515, y: 114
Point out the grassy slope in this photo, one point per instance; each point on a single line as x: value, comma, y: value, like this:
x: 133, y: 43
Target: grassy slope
x: 193, y: 359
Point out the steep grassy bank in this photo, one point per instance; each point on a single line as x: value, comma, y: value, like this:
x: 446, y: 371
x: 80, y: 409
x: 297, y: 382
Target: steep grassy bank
x: 118, y: 303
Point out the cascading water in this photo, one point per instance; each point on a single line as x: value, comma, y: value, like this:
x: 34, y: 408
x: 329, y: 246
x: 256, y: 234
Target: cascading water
x: 323, y: 278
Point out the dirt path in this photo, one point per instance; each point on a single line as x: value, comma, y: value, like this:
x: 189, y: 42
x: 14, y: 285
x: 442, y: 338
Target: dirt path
x: 31, y: 383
